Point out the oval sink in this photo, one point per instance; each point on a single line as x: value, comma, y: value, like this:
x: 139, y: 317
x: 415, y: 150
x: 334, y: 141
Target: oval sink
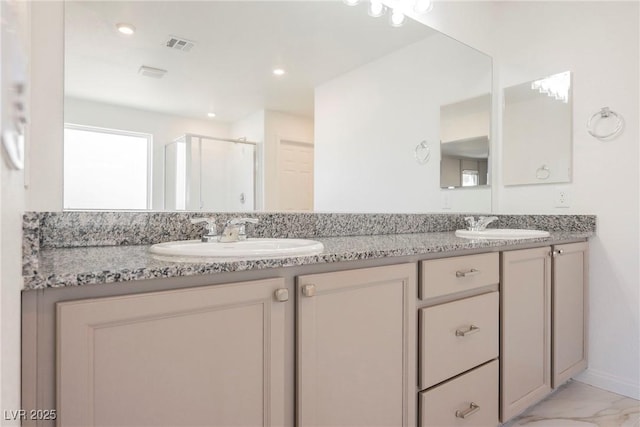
x: 502, y: 233
x: 241, y: 249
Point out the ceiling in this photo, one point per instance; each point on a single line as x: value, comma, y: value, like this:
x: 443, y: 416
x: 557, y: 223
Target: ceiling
x: 471, y: 148
x: 238, y: 44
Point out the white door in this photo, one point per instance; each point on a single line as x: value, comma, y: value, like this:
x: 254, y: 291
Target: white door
x: 295, y: 176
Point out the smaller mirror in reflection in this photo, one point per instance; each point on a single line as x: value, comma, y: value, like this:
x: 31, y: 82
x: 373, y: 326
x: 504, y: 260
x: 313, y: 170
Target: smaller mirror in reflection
x: 537, y: 131
x: 464, y: 143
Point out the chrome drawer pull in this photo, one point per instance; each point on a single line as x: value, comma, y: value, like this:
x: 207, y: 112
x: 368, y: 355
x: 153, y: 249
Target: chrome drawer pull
x: 467, y: 273
x: 473, y: 408
x: 463, y: 333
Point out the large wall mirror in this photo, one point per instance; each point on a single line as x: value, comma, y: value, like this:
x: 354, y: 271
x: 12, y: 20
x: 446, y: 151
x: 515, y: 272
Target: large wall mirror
x: 267, y: 105
x: 537, y: 131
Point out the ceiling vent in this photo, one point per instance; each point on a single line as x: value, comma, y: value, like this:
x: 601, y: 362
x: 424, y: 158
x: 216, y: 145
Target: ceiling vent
x: 178, y: 43
x: 156, y: 73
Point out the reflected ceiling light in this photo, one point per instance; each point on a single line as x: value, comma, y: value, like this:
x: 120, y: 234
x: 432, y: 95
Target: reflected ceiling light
x: 556, y: 86
x: 211, y: 115
x: 423, y: 6
x: 376, y: 8
x: 397, y: 18
x: 398, y: 8
x: 126, y: 29
x: 278, y: 71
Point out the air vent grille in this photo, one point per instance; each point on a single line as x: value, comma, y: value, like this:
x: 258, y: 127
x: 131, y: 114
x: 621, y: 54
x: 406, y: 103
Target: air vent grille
x: 156, y: 73
x: 179, y: 43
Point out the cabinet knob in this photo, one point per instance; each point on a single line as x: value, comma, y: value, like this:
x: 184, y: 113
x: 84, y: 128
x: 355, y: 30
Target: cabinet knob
x: 282, y: 294
x: 558, y: 252
x: 309, y: 290
x: 473, y: 408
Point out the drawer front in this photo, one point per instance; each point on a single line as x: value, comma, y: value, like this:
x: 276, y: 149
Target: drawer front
x: 450, y: 275
x: 469, y: 400
x: 457, y: 336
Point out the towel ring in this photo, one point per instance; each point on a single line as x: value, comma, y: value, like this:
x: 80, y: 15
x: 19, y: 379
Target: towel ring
x: 543, y: 172
x: 423, y: 152
x: 604, y: 113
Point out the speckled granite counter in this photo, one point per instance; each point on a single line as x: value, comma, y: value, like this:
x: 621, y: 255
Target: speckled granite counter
x: 62, y: 267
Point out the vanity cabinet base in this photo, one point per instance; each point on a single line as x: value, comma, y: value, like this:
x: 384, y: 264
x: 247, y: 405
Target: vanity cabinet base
x: 203, y: 356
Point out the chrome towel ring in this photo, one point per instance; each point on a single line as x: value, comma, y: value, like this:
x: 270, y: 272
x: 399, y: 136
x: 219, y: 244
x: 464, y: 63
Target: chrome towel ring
x: 604, y: 113
x: 423, y: 152
x: 543, y: 172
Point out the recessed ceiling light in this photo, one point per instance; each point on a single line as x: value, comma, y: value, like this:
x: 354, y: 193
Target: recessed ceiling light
x: 211, y: 115
x: 278, y: 71
x: 126, y: 29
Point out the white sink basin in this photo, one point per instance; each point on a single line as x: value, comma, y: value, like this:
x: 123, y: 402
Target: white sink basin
x: 502, y: 233
x: 243, y: 249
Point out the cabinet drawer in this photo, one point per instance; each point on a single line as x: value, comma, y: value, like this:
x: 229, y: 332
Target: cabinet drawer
x: 457, y: 336
x: 450, y: 275
x: 469, y: 400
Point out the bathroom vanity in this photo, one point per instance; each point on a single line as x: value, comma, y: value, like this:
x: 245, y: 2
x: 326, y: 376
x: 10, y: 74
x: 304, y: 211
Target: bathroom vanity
x: 415, y: 329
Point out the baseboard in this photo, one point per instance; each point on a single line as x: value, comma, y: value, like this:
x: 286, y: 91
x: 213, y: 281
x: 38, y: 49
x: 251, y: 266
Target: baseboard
x: 610, y: 382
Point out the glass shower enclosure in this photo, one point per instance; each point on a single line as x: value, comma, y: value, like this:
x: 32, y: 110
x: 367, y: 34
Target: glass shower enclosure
x: 211, y: 174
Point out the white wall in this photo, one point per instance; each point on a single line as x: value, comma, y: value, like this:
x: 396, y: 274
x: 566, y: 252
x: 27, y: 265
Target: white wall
x: 15, y: 40
x: 369, y: 121
x: 598, y: 42
x: 164, y: 128
x: 43, y: 172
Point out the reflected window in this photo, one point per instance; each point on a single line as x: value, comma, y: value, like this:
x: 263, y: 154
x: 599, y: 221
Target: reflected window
x: 470, y: 178
x: 106, y: 169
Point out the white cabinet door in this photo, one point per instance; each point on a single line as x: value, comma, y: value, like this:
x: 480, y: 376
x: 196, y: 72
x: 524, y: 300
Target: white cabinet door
x: 357, y: 348
x: 569, y: 302
x: 525, y: 365
x: 207, y: 356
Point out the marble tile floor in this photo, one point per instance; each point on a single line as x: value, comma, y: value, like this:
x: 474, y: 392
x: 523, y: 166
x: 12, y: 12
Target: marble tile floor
x: 576, y: 404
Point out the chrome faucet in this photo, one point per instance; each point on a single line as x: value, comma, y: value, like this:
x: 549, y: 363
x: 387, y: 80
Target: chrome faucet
x: 480, y: 224
x: 234, y: 230
x: 212, y: 229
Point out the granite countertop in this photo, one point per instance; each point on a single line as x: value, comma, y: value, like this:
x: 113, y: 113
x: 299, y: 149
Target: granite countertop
x: 63, y: 267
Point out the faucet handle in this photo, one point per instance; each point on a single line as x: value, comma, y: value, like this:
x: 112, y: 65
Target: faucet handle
x: 472, y: 224
x: 242, y: 221
x: 211, y: 224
